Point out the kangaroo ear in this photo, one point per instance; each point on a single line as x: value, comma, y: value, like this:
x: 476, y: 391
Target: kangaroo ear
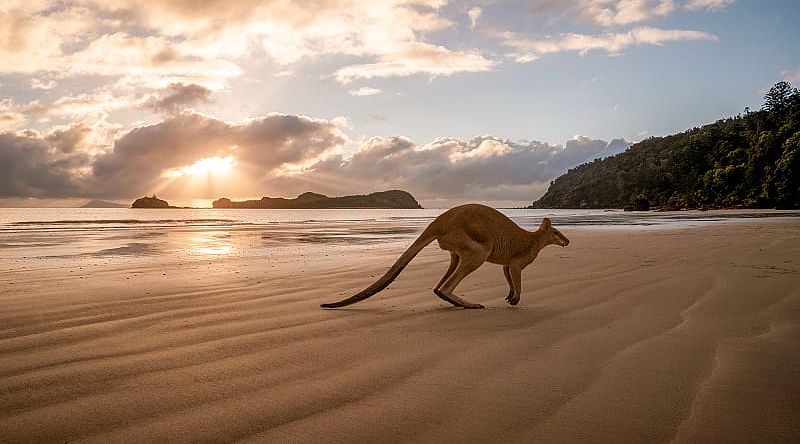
x: 545, y: 223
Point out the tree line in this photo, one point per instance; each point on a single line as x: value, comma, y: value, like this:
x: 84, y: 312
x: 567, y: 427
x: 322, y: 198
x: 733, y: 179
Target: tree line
x: 751, y: 160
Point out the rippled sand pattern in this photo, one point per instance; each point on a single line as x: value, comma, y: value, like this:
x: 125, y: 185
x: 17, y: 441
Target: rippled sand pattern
x: 687, y: 335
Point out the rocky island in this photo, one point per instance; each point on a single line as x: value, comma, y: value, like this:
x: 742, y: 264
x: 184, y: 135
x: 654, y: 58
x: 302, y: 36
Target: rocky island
x: 397, y: 199
x: 150, y: 202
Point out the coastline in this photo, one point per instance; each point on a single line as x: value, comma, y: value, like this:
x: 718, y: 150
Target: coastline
x: 687, y: 334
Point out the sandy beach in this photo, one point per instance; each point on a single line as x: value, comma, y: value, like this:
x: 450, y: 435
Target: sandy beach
x: 627, y: 335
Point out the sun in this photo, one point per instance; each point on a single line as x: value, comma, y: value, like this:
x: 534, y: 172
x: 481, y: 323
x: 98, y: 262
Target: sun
x: 215, y: 166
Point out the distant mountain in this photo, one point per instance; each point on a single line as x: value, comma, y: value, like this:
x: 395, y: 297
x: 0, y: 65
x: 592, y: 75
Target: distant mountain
x: 383, y: 199
x: 102, y: 204
x: 751, y: 160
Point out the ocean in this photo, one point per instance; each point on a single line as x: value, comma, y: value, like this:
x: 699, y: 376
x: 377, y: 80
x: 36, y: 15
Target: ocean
x: 37, y: 238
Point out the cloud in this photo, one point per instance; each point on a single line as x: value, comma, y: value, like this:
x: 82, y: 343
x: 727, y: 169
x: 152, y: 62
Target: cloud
x: 151, y: 60
x: 176, y: 97
x: 169, y: 100
x: 41, y: 84
x: 30, y: 43
x: 624, y: 12
x: 529, y: 49
x: 620, y: 13
x: 9, y: 117
x: 70, y: 139
x: 364, y: 91
x: 158, y: 43
x: 56, y: 163
x: 151, y: 45
x: 791, y: 77
x: 93, y: 158
x: 31, y: 167
x: 277, y: 154
x: 417, y: 58
x: 77, y: 38
x: 139, y: 158
x: 92, y: 136
x: 708, y: 5
x: 474, y: 13
x: 83, y: 104
x: 483, y: 168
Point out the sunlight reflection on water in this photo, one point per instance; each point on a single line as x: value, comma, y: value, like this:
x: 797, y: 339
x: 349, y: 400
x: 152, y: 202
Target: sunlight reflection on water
x: 211, y: 244
x: 75, y: 234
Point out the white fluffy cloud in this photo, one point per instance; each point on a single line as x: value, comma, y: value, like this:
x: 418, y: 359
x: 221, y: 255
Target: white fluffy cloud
x: 182, y: 41
x: 709, y: 5
x: 138, y: 49
x: 527, y: 49
x: 83, y: 60
x: 364, y: 91
x: 417, y: 58
x: 189, y: 42
x: 619, y: 13
x: 624, y: 12
x: 278, y: 154
x: 483, y: 168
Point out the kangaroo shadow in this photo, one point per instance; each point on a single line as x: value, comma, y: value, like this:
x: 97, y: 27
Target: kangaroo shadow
x: 442, y: 318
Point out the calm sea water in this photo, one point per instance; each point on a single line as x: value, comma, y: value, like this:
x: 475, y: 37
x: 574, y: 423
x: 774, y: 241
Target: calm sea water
x: 70, y: 234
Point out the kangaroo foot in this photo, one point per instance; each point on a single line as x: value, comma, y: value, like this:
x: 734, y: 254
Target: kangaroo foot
x: 512, y: 298
x: 445, y: 297
x: 455, y: 300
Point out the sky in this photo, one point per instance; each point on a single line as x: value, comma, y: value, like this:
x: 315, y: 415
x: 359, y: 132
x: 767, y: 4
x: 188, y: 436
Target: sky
x: 454, y: 101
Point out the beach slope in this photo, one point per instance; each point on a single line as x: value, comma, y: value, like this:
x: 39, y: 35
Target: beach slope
x: 627, y: 335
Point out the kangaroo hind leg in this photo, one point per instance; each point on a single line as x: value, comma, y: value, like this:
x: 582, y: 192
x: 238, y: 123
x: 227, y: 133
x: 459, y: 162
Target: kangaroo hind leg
x: 466, y: 265
x: 454, y: 260
x: 450, y: 269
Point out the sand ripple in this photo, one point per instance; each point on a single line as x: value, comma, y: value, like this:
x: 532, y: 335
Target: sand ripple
x: 672, y: 335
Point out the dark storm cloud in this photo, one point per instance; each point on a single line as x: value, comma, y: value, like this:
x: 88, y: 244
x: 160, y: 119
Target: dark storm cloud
x: 279, y: 138
x: 176, y: 97
x: 70, y: 139
x: 32, y: 166
x: 63, y: 162
x: 138, y: 159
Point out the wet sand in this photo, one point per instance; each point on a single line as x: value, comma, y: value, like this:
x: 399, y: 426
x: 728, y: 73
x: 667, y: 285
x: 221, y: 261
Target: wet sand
x: 627, y: 335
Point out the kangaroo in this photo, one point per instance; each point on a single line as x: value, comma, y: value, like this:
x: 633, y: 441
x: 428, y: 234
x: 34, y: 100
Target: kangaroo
x: 473, y: 234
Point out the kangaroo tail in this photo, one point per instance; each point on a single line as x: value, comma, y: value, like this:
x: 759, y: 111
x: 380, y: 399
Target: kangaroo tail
x: 424, y: 239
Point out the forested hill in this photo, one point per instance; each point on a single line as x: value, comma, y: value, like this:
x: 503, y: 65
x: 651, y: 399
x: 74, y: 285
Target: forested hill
x: 381, y: 199
x: 751, y: 160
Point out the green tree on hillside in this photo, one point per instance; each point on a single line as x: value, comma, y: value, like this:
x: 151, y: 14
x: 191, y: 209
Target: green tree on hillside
x: 779, y: 96
x: 751, y: 160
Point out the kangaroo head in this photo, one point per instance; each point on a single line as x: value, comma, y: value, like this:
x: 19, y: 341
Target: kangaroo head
x: 551, y: 235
